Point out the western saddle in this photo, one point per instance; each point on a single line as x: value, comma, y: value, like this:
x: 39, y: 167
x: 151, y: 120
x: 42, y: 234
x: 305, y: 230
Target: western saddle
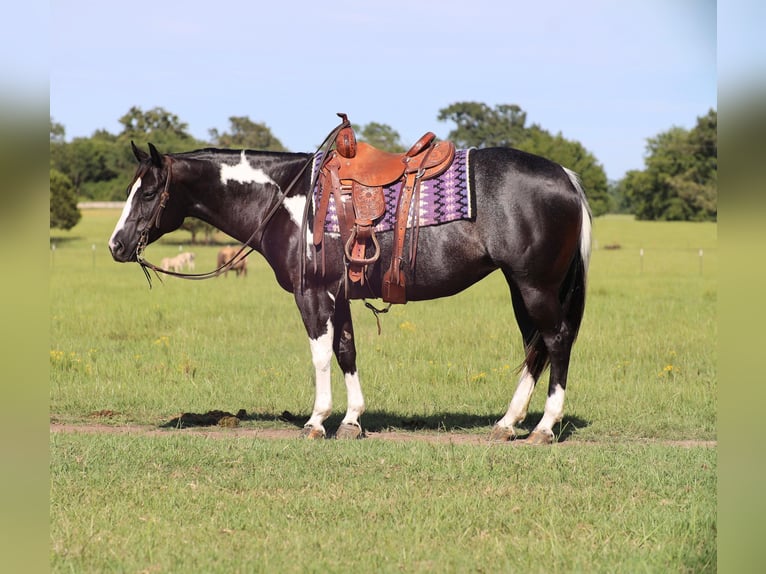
x: 355, y: 174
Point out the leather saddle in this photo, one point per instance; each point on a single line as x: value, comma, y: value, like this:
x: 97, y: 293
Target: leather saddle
x: 355, y: 174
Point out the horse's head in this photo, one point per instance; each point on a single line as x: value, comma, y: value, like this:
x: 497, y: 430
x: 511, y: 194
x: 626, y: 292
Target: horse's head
x: 151, y: 209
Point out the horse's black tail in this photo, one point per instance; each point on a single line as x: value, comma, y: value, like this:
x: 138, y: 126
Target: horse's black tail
x: 572, y: 291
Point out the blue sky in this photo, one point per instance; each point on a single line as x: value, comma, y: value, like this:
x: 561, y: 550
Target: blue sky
x: 609, y: 74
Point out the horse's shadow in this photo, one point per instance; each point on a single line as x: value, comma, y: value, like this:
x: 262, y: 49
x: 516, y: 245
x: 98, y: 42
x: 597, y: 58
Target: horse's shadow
x: 379, y: 421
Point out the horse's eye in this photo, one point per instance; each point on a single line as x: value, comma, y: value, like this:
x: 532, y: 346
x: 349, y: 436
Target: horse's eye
x: 150, y: 194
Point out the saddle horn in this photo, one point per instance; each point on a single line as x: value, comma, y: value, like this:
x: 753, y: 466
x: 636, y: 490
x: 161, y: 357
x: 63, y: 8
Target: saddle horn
x: 345, y: 141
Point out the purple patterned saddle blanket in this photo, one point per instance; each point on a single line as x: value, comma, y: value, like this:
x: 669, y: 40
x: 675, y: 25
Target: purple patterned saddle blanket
x: 448, y: 197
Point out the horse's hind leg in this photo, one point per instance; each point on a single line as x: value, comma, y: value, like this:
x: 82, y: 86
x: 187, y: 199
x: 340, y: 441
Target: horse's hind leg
x: 517, y: 409
x: 345, y: 352
x: 503, y: 429
x: 558, y: 336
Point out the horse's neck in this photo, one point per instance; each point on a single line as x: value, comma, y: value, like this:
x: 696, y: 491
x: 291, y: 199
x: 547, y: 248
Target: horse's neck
x: 237, y: 197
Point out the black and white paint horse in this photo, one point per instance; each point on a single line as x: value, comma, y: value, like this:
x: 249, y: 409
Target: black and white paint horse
x: 532, y: 222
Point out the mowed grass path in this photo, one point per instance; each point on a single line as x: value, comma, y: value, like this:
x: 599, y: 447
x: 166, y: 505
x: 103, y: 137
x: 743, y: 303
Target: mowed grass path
x: 616, y: 495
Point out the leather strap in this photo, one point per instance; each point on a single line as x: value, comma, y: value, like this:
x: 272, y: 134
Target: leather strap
x: 394, y: 284
x: 325, y: 180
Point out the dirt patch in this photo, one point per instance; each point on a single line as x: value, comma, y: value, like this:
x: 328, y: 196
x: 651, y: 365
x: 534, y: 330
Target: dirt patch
x: 221, y: 431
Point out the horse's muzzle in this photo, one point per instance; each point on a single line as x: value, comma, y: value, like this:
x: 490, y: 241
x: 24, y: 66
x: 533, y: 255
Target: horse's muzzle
x: 120, y: 253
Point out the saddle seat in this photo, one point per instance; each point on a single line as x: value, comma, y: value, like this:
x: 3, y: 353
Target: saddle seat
x: 374, y: 167
x: 355, y: 174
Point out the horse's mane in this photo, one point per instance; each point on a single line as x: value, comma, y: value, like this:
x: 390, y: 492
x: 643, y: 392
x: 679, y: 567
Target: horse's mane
x: 220, y: 153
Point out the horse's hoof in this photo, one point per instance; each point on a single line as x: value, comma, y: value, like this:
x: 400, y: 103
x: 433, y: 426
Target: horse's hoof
x: 502, y: 434
x: 312, y: 433
x: 539, y: 437
x: 349, y: 431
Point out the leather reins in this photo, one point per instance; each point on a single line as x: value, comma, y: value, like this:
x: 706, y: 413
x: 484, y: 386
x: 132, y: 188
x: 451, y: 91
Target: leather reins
x: 154, y: 219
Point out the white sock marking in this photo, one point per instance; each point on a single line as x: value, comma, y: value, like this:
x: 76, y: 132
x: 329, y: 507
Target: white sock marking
x: 554, y: 410
x: 517, y: 409
x: 356, y: 405
x: 321, y: 356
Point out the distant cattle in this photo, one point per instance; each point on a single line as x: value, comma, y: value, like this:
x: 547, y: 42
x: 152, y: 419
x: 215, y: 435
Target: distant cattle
x: 239, y: 266
x: 177, y: 263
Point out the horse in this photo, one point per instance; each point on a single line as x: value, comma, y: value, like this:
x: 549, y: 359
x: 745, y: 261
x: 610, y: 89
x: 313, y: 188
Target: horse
x: 177, y: 263
x: 532, y: 221
x: 186, y: 259
x: 229, y: 253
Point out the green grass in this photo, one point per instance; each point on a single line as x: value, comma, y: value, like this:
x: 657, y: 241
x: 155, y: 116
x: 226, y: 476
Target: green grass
x: 188, y: 503
x: 643, y: 374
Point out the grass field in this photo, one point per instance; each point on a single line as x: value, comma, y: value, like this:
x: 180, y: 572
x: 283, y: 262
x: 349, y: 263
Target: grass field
x: 616, y: 495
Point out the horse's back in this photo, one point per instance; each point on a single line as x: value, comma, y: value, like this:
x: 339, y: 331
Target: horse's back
x: 509, y: 174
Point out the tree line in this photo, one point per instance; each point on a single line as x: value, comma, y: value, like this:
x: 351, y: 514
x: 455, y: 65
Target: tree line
x: 679, y: 181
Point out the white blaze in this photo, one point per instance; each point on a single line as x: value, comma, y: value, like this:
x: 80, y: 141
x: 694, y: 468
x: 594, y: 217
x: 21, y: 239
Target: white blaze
x: 125, y: 211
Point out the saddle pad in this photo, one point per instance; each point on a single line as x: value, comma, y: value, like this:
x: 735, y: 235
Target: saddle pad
x: 448, y: 197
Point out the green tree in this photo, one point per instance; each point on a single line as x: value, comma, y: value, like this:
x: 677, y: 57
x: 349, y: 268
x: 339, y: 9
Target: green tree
x: 481, y: 126
x: 87, y: 162
x: 478, y: 125
x: 100, y: 166
x: 63, y: 202
x: 195, y: 227
x: 246, y: 134
x: 680, y: 180
x: 381, y: 136
x: 157, y: 125
x: 58, y: 133
x: 618, y: 201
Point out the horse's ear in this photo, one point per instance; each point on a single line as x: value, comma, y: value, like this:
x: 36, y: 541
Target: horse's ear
x: 156, y: 156
x: 140, y: 155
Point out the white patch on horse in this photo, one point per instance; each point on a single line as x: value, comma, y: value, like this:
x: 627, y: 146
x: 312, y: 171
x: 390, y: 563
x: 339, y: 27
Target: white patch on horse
x: 295, y: 206
x: 125, y: 211
x: 243, y: 172
x: 586, y: 238
x: 586, y: 231
x: 355, y: 399
x: 554, y: 409
x: 321, y: 356
x: 517, y: 409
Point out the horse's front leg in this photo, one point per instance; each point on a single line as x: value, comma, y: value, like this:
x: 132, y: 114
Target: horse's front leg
x: 345, y: 352
x: 317, y: 310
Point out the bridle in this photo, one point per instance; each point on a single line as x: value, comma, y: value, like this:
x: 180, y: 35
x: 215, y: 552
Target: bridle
x: 156, y: 216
